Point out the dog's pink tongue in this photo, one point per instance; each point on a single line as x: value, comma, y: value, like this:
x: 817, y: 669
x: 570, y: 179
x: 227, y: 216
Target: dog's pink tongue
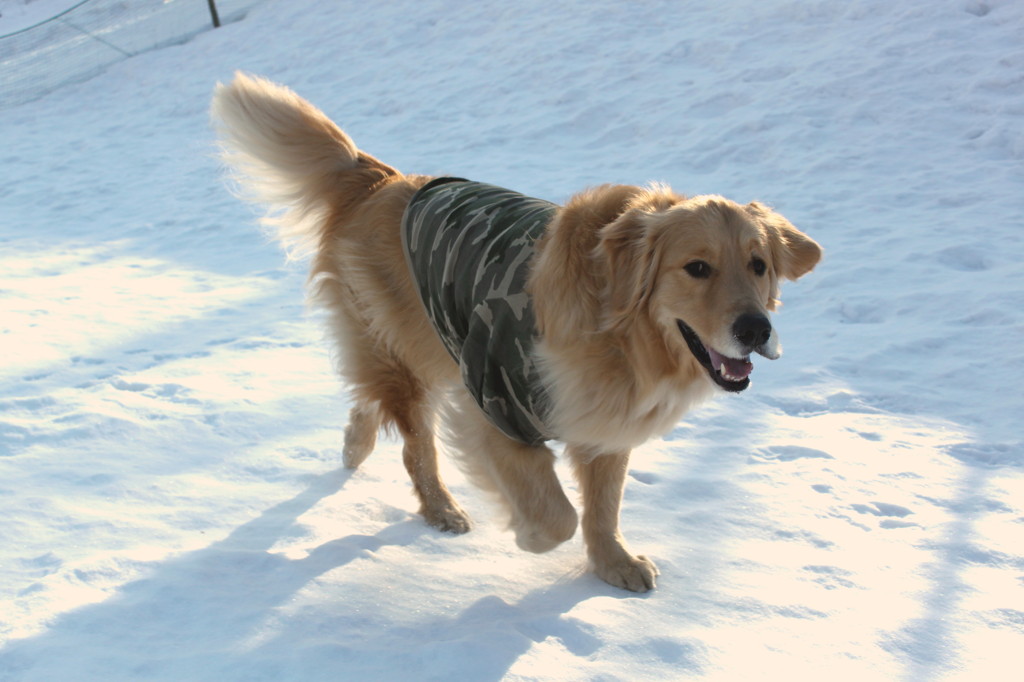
x: 730, y: 367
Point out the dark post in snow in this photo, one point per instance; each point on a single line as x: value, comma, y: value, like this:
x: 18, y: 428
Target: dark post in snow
x: 213, y: 14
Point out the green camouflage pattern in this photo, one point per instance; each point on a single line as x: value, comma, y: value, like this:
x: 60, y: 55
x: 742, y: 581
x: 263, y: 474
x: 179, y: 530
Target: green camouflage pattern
x: 469, y: 247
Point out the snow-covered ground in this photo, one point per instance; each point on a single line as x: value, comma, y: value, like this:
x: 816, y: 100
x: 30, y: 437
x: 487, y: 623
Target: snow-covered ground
x: 172, y: 505
x: 17, y: 15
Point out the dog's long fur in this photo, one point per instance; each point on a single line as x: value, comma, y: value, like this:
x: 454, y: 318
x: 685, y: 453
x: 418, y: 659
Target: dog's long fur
x: 613, y: 275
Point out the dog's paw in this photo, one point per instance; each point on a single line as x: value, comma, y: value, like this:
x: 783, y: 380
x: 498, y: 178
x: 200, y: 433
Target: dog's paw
x: 548, y: 530
x: 633, y: 573
x: 548, y: 524
x: 540, y: 540
x: 448, y: 519
x: 360, y: 436
x: 352, y: 457
x: 357, y: 448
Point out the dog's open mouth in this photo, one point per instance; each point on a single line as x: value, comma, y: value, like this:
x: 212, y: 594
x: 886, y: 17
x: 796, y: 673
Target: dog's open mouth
x: 730, y: 373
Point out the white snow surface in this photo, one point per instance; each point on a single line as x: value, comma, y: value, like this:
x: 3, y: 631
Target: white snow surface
x: 172, y: 502
x: 18, y: 15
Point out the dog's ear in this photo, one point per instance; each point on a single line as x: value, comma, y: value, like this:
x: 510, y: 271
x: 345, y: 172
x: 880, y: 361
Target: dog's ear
x: 794, y: 254
x: 626, y: 248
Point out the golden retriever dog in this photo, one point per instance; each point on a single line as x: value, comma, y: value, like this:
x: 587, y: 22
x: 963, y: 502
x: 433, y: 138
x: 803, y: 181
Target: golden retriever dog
x: 638, y: 302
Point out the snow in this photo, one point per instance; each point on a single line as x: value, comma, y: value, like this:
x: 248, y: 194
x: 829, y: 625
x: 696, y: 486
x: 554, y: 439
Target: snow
x: 18, y: 15
x: 172, y: 503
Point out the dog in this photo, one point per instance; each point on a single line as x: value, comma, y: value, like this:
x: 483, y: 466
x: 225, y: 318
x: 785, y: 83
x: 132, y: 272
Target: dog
x: 597, y: 323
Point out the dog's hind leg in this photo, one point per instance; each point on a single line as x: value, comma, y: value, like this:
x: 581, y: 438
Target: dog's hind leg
x: 521, y: 476
x: 364, y: 422
x: 602, y: 479
x: 415, y: 422
x: 406, y: 402
x: 387, y: 393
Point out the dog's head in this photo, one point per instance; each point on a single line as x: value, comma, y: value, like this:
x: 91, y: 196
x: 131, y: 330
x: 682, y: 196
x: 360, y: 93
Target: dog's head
x: 706, y: 271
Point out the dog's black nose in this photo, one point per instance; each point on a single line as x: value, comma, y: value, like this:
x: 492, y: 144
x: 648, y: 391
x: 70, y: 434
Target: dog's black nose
x: 752, y: 330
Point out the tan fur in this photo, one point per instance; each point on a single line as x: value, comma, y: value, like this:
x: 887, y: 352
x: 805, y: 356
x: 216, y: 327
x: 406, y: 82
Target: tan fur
x: 608, y: 284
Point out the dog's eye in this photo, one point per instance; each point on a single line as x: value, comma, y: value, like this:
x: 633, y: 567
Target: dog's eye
x: 759, y: 266
x: 698, y: 269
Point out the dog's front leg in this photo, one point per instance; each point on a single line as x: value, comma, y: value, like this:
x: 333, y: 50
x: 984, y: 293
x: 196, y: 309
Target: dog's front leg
x: 602, y: 479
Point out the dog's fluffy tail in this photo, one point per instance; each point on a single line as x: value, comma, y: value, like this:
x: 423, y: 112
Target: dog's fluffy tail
x: 287, y: 155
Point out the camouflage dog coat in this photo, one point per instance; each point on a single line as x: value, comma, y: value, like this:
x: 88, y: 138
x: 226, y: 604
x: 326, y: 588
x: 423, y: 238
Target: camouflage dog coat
x: 469, y: 247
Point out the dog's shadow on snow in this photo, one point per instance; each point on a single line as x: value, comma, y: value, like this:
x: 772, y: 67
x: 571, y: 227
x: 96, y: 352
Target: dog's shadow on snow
x: 213, y: 614
x: 191, y: 614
